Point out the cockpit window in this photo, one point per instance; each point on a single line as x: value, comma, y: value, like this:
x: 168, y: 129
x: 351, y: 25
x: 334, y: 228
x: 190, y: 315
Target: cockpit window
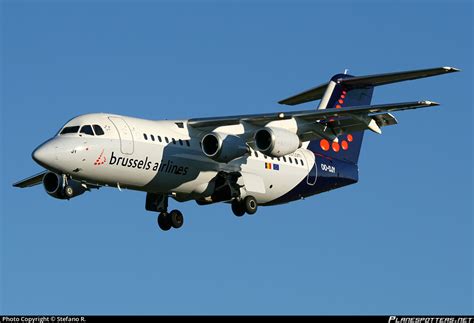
x: 87, y: 130
x: 73, y: 129
x: 98, y: 130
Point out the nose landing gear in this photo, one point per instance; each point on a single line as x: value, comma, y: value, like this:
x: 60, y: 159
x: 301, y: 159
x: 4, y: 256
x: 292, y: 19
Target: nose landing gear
x: 68, y: 192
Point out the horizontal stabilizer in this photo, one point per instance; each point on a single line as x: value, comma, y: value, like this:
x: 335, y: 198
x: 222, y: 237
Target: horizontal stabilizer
x: 365, y: 81
x: 388, y: 78
x: 313, y: 94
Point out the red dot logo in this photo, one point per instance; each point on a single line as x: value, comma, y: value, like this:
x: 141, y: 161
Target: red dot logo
x: 344, y: 145
x: 101, y: 159
x: 335, y: 146
x: 324, y: 144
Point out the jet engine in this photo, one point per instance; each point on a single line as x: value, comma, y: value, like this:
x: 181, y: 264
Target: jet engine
x: 223, y: 147
x: 54, y: 185
x: 276, y: 142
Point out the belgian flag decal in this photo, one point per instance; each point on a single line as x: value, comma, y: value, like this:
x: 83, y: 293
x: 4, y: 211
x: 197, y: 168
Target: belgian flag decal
x: 272, y: 166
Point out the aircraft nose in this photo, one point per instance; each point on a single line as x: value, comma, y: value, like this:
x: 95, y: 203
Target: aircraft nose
x: 43, y: 154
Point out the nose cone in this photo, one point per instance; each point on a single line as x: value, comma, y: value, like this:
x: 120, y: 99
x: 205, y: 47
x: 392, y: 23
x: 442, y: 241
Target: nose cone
x: 44, y: 154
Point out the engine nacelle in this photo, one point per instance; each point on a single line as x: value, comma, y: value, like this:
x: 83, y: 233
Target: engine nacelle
x: 276, y: 142
x: 54, y: 185
x: 223, y: 147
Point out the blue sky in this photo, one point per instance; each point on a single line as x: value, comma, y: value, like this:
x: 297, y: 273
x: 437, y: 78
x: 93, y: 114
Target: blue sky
x: 400, y: 241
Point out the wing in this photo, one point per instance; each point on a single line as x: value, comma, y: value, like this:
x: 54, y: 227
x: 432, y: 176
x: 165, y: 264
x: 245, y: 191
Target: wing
x: 31, y: 181
x: 326, y: 123
x: 308, y: 115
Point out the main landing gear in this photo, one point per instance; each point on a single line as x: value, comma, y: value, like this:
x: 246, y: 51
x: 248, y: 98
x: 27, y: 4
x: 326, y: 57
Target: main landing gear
x: 159, y: 203
x: 247, y: 205
x: 174, y: 219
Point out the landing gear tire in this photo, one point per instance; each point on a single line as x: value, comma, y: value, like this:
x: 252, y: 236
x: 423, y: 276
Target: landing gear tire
x: 238, y: 208
x: 250, y: 204
x: 164, y: 221
x: 68, y: 191
x: 176, y: 219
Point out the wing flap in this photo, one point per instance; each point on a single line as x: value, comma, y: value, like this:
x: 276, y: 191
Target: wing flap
x: 363, y: 110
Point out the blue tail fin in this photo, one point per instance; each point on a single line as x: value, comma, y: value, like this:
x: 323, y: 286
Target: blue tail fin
x: 336, y: 96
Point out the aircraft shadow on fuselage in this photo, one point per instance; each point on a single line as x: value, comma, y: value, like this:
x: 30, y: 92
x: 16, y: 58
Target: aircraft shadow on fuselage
x: 181, y: 165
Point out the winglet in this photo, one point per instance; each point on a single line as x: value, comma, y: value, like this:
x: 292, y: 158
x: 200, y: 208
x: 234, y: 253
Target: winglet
x: 429, y: 103
x: 451, y: 69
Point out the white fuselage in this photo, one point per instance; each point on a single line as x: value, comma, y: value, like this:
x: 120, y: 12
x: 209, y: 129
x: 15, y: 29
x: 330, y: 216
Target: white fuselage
x: 165, y: 157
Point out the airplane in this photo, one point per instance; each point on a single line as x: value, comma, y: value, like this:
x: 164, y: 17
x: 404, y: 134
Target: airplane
x: 244, y: 160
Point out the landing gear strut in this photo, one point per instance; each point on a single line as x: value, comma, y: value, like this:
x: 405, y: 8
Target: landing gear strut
x: 248, y: 205
x: 159, y: 203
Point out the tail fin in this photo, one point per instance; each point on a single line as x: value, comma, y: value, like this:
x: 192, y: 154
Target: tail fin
x: 337, y: 95
x: 346, y: 90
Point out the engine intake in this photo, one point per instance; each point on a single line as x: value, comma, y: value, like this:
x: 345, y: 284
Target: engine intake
x: 54, y: 185
x: 223, y: 147
x: 276, y: 142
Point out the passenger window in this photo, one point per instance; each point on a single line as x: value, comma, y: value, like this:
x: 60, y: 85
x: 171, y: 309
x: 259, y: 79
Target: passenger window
x: 291, y: 160
x: 256, y: 154
x: 87, y: 130
x: 144, y: 136
x: 301, y: 162
x: 174, y: 141
x: 296, y: 161
x: 180, y: 142
x: 265, y: 156
x: 167, y: 141
x: 73, y: 129
x: 98, y: 130
x: 152, y: 138
x: 284, y: 159
x: 187, y: 143
x: 159, y: 138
